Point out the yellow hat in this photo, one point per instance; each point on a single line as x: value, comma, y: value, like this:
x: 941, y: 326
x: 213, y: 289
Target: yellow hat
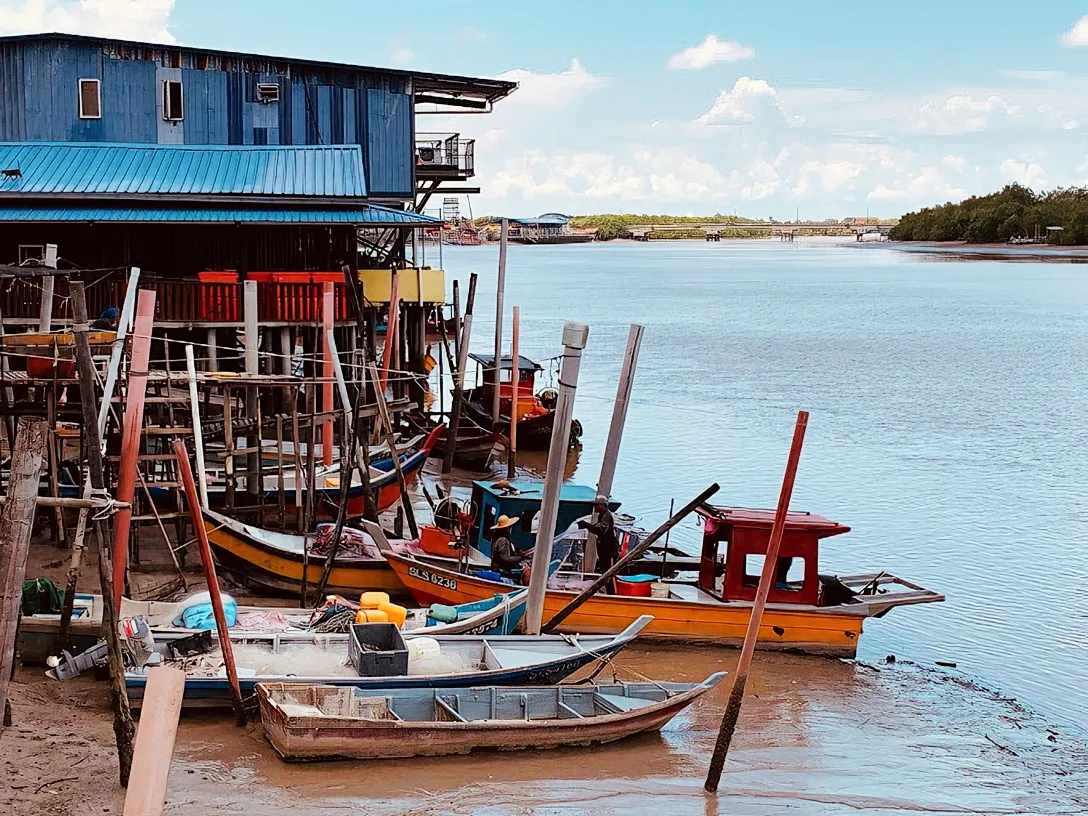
x: 506, y: 521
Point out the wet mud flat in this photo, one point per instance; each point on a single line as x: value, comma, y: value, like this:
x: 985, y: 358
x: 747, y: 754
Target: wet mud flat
x: 817, y: 736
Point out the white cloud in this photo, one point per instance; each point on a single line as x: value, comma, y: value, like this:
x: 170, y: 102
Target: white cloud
x: 928, y: 186
x: 748, y: 101
x: 552, y: 91
x: 964, y: 113
x: 402, y: 55
x: 1078, y: 35
x: 710, y: 51
x: 826, y: 176
x: 1029, y: 174
x: 123, y: 19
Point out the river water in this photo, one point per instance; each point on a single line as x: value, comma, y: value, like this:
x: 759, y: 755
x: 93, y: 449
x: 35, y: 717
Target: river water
x: 945, y: 430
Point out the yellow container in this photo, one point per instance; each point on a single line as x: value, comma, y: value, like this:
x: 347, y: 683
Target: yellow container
x: 371, y: 616
x: 397, y: 614
x: 372, y: 600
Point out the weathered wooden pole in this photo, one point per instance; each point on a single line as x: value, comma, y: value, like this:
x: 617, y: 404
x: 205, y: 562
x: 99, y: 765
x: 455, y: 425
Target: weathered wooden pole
x: 766, y: 578
x: 16, y: 526
x: 130, y: 438
x: 615, y: 433
x: 154, y: 745
x: 515, y: 387
x: 405, y: 500
x: 328, y: 323
x: 459, y: 383
x: 253, y: 458
x: 500, y: 289
x: 574, y: 340
x: 186, y: 471
x: 603, y: 579
x: 198, y: 432
x: 128, y: 311
x: 456, y: 338
x: 123, y: 727
x: 45, y: 315
x: 390, y: 331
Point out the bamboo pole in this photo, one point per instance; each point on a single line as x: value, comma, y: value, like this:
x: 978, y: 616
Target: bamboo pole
x: 252, y: 363
x: 225, y: 644
x: 500, y: 290
x: 615, y: 433
x: 128, y: 311
x: 155, y: 738
x: 575, y: 336
x: 16, y: 526
x: 515, y: 383
x: 328, y: 322
x: 130, y: 442
x: 198, y: 431
x: 459, y: 386
x: 390, y: 331
x: 770, y: 563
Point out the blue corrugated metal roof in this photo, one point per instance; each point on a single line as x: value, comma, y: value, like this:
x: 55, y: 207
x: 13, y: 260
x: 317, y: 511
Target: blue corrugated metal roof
x: 367, y: 214
x: 183, y: 170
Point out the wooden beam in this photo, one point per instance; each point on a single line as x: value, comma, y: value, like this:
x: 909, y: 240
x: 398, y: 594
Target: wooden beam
x: 130, y: 438
x: 155, y: 738
x: 128, y: 310
x: 15, y: 528
x: 328, y: 321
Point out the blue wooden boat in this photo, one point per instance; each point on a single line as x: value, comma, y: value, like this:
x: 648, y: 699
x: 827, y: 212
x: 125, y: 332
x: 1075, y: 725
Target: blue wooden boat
x: 512, y: 660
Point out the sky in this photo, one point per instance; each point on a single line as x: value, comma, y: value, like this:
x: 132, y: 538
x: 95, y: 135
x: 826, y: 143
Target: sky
x: 770, y: 109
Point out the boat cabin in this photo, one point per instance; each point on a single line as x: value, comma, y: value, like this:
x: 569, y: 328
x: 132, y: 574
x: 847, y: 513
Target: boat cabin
x: 527, y: 370
x: 521, y: 498
x: 734, y: 575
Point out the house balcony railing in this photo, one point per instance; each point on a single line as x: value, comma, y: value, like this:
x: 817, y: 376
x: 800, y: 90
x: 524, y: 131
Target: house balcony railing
x: 445, y: 156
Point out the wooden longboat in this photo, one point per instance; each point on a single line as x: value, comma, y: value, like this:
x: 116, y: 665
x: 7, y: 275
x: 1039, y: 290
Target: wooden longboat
x: 815, y: 615
x: 305, y: 723
x: 500, y: 660
x: 273, y: 562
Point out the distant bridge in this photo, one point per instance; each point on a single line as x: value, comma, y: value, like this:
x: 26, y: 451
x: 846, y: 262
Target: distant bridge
x: 784, y: 229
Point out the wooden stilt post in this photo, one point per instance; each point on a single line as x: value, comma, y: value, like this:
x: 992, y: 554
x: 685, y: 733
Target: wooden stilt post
x: 500, y: 289
x: 615, y: 433
x: 186, y: 471
x: 16, y: 526
x: 45, y: 315
x: 287, y: 347
x: 770, y: 563
x: 253, y: 459
x: 456, y: 319
x: 574, y: 340
x: 515, y: 388
x: 154, y: 745
x: 213, y: 350
x: 130, y: 442
x: 390, y: 331
x: 230, y: 485
x: 123, y: 727
x: 459, y: 384
x: 198, y: 432
x: 328, y: 322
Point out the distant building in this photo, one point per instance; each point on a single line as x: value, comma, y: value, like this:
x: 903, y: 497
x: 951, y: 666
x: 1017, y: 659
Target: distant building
x: 549, y: 228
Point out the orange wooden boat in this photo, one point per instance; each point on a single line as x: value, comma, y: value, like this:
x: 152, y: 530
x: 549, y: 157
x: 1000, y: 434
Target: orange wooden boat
x: 807, y: 612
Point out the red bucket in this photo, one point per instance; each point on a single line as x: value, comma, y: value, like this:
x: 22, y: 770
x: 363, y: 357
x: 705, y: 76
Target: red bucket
x: 634, y: 589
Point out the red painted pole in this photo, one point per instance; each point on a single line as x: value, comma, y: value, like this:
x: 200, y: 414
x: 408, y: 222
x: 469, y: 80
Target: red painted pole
x: 328, y: 322
x: 193, y: 500
x: 130, y: 436
x: 770, y: 561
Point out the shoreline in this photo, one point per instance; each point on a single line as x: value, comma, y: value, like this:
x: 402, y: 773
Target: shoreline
x: 1004, y: 252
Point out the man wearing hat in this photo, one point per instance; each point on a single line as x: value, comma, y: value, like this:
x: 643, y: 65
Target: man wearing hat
x: 608, y: 546
x: 504, y: 558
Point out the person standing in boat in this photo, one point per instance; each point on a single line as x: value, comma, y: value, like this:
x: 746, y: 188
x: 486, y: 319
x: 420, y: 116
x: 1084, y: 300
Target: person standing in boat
x: 505, y: 560
x: 608, y: 545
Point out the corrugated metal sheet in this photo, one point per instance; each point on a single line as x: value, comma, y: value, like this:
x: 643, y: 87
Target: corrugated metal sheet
x: 184, y: 170
x: 200, y: 215
x: 389, y: 143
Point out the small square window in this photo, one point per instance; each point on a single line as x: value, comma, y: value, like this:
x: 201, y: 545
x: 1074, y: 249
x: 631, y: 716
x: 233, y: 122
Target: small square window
x: 90, y: 99
x: 173, y: 107
x: 31, y: 252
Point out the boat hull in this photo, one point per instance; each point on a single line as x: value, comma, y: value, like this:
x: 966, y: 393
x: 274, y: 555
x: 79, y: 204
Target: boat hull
x: 821, y: 633
x: 304, y: 739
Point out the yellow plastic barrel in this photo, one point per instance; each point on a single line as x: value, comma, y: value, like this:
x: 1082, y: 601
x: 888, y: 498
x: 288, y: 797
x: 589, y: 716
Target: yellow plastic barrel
x: 371, y: 616
x: 397, y: 614
x: 373, y: 600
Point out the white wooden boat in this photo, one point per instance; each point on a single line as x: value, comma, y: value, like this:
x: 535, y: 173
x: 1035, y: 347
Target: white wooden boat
x: 304, y: 722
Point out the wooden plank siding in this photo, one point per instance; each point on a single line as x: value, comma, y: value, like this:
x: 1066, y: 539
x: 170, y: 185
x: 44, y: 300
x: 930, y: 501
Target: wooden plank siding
x: 39, y: 101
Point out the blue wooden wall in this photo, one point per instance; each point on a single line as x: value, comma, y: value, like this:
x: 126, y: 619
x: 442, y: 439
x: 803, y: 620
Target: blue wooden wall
x: 39, y: 101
